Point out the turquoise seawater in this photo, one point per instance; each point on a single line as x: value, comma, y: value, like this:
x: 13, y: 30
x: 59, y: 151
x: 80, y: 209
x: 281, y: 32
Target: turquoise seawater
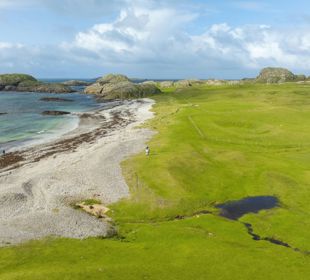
x: 24, y: 123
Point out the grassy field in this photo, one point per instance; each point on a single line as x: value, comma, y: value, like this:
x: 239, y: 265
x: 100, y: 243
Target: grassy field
x: 214, y: 144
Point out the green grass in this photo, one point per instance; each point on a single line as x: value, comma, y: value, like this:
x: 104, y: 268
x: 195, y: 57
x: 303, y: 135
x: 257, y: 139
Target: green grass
x: 214, y: 144
x: 91, y: 201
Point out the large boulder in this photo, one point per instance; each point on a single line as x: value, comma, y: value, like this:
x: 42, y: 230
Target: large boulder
x: 120, y: 87
x: 22, y: 82
x: 272, y: 75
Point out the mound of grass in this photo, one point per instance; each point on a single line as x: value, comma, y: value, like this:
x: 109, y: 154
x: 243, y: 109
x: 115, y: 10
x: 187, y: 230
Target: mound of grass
x: 91, y: 201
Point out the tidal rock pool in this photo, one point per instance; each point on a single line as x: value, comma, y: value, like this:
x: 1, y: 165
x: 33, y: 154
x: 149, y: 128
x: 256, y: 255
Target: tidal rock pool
x: 235, y: 209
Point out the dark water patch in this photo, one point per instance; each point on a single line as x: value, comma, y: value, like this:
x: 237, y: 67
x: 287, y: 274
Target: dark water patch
x: 236, y: 209
x: 272, y: 240
x: 55, y: 99
x: 55, y: 113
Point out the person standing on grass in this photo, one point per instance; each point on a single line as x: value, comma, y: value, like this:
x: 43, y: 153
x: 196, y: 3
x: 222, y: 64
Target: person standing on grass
x: 147, y: 151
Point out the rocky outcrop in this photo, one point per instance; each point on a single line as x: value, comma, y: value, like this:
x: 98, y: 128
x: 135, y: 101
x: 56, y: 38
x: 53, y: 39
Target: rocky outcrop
x: 177, y: 84
x: 183, y: 83
x: 72, y: 83
x: 300, y: 78
x: 55, y: 113
x: 166, y: 84
x: 149, y: 83
x: 23, y: 83
x: 112, y: 79
x: 189, y: 83
x: 45, y: 87
x: 120, y: 87
x: 272, y: 75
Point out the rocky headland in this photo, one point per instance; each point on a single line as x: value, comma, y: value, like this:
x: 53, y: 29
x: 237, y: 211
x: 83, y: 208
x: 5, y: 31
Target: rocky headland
x: 27, y: 83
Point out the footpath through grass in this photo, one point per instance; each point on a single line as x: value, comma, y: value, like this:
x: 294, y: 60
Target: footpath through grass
x: 213, y: 144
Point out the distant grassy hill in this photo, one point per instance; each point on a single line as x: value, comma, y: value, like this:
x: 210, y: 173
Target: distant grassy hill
x: 214, y: 144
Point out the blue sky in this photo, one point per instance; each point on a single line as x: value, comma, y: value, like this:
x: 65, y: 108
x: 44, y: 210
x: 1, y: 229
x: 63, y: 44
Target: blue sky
x: 153, y: 39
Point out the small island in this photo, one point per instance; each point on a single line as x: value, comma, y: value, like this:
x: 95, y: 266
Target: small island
x: 27, y: 83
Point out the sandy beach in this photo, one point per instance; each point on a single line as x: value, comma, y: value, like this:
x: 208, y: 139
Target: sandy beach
x: 38, y: 185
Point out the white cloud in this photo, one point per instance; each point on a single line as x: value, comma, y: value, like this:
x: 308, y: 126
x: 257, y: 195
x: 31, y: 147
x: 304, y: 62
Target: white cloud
x: 6, y: 45
x: 153, y: 40
x: 137, y: 34
x: 159, y: 36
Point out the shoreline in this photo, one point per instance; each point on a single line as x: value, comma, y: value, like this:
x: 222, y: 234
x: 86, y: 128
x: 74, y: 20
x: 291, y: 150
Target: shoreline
x: 80, y: 126
x: 67, y: 127
x: 47, y: 136
x: 49, y: 129
x: 39, y: 183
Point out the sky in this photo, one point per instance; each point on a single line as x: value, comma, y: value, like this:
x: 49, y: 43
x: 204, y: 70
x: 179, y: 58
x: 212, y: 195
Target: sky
x: 172, y: 39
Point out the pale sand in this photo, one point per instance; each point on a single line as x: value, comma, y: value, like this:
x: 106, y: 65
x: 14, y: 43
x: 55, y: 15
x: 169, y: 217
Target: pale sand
x: 35, y: 198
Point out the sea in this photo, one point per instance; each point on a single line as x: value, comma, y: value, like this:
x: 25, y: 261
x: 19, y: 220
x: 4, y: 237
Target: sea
x: 22, y: 123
